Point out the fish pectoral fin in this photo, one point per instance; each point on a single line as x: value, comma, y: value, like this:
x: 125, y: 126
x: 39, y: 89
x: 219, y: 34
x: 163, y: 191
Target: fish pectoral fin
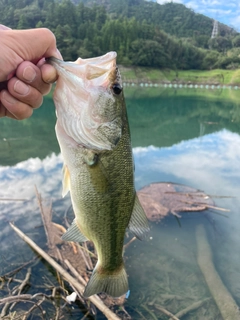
x: 138, y: 224
x: 65, y: 180
x: 74, y: 234
x: 115, y: 284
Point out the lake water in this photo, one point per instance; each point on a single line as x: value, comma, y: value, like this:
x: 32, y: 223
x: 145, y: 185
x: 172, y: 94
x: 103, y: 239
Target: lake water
x: 190, y: 137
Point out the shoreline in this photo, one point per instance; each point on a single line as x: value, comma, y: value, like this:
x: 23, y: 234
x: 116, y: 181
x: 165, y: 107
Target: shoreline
x: 191, y: 85
x: 145, y: 75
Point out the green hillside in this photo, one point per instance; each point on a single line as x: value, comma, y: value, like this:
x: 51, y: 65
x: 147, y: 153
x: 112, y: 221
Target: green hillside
x: 173, y: 18
x: 143, y: 33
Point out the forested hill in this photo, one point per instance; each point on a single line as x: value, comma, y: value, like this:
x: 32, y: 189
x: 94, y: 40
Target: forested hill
x: 173, y: 18
x: 133, y: 28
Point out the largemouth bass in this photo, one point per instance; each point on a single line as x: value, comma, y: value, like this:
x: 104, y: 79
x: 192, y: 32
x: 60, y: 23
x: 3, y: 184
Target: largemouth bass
x: 93, y: 133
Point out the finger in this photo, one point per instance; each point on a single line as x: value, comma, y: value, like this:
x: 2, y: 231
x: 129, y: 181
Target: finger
x: 2, y: 110
x: 25, y: 93
x: 2, y: 27
x: 13, y: 107
x: 49, y: 73
x: 42, y: 61
x: 25, y: 45
x: 33, y: 44
x: 5, y: 113
x: 31, y: 74
x: 3, y: 85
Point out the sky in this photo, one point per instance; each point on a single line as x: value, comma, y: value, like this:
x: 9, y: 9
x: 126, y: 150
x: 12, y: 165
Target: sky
x: 227, y: 12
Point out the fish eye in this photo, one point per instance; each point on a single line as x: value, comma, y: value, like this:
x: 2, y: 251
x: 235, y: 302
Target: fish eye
x: 117, y: 89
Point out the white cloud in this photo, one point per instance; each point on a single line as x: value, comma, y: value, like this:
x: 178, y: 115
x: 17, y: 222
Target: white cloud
x: 201, y: 162
x: 193, y: 5
x: 17, y: 182
x: 221, y: 3
x: 165, y: 1
x: 215, y: 2
x: 235, y: 21
x: 220, y: 12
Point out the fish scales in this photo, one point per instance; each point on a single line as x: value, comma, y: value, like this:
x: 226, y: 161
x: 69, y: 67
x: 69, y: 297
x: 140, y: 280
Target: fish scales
x: 94, y: 139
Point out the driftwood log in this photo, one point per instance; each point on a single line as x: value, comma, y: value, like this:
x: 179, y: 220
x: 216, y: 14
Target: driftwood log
x: 94, y: 299
x: 225, y: 302
x: 164, y: 198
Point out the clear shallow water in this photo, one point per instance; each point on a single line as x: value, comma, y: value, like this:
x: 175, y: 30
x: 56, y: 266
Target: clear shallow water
x: 177, y: 137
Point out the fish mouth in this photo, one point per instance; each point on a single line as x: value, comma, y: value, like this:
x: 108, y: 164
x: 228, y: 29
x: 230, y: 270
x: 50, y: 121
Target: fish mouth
x: 85, y: 103
x: 99, y: 71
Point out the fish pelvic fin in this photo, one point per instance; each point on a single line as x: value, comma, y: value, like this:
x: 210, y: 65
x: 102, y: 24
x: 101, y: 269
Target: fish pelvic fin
x: 74, y: 234
x: 114, y: 284
x: 138, y: 224
x: 65, y: 180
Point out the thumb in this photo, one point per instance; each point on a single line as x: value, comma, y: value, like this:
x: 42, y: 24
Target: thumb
x: 32, y: 44
x: 2, y: 27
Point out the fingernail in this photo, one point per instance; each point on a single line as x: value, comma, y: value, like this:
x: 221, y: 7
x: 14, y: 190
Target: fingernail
x: 21, y: 88
x: 29, y: 74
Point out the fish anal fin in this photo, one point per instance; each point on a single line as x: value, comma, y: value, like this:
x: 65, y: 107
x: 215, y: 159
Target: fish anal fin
x: 115, y: 284
x: 138, y: 224
x: 74, y: 234
x: 65, y: 180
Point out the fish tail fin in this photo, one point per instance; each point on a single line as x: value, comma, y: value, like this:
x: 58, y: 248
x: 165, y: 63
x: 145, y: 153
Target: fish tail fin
x: 115, y: 284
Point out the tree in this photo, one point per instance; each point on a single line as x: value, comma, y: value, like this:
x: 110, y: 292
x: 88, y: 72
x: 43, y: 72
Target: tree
x: 22, y: 23
x: 236, y: 41
x: 39, y: 24
x: 220, y: 44
x: 148, y: 53
x: 210, y: 60
x: 142, y: 32
x: 201, y: 41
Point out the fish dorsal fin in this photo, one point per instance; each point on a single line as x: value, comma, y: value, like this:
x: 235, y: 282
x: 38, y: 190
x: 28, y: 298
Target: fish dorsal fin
x: 74, y: 234
x: 65, y: 180
x: 138, y: 224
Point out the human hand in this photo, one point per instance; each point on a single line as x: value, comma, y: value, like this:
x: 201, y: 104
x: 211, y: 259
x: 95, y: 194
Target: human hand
x: 24, y: 78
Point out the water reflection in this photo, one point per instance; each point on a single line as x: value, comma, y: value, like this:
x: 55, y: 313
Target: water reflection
x: 210, y: 162
x: 33, y: 137
x: 158, y: 116
x: 173, y: 116
x: 17, y: 184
